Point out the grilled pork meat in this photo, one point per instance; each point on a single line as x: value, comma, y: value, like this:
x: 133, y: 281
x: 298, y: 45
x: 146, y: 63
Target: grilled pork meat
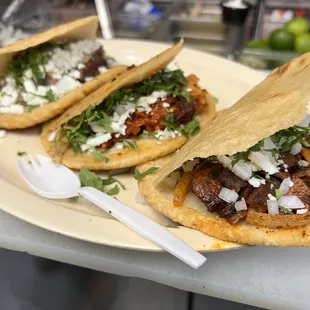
x: 182, y: 111
x: 209, y: 179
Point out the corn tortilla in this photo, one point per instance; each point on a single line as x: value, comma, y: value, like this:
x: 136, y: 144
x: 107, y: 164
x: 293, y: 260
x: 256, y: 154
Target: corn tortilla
x: 148, y: 149
x: 277, y: 103
x: 85, y: 28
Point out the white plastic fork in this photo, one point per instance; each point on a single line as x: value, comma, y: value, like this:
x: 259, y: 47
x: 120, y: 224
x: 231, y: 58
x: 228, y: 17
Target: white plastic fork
x: 56, y: 181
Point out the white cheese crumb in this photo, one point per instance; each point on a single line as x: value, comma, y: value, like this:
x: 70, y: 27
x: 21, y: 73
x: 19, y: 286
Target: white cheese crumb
x: 166, y: 105
x: 144, y: 103
x: 17, y: 109
x: 96, y: 141
x: 66, y: 84
x: 166, y: 134
x: 102, y: 69
x: 3, y: 133
x: 119, y: 145
x: 52, y: 136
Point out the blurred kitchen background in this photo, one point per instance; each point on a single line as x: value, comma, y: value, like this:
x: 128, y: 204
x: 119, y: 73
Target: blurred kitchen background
x: 259, y: 33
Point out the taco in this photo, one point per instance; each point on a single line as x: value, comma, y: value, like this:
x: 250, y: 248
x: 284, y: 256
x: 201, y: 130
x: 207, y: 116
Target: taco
x: 145, y: 113
x: 47, y: 73
x: 245, y: 178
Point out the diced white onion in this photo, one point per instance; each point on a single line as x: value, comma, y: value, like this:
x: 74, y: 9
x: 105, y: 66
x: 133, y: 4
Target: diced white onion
x: 305, y: 122
x: 291, y: 202
x: 255, y: 182
x: 285, y: 186
x: 262, y: 161
x: 296, y: 148
x: 269, y: 145
x: 240, y: 169
x: 228, y: 195
x: 189, y: 165
x: 273, y: 207
x: 271, y: 197
x: 172, y: 179
x: 240, y: 205
x: 301, y: 211
x: 303, y: 163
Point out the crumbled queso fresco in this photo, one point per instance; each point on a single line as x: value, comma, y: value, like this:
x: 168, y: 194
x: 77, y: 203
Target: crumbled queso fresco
x: 118, y: 122
x: 63, y: 67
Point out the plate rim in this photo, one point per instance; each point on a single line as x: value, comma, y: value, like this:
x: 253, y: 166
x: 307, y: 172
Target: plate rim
x: 83, y: 219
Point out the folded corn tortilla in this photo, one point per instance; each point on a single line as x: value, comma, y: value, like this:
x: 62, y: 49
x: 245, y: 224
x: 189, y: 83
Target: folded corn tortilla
x: 85, y: 28
x: 147, y: 149
x: 277, y: 103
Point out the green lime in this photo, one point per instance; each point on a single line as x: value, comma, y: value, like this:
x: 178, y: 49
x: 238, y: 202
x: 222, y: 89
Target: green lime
x: 258, y: 43
x: 281, y: 40
x: 297, y: 26
x: 302, y: 43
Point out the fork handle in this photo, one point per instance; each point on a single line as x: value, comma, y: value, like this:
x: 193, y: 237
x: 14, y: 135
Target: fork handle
x: 144, y: 226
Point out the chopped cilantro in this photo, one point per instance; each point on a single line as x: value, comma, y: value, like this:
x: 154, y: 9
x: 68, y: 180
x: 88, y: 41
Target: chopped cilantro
x: 140, y: 175
x: 191, y: 128
x: 88, y: 178
x: 21, y: 153
x: 285, y: 210
x: 31, y: 58
x: 113, y: 191
x: 286, y: 138
x: 239, y: 156
x: 131, y: 144
x: 215, y: 100
x: 105, y: 121
x: 172, y: 226
x: 98, y: 154
x: 78, y: 129
x: 169, y: 122
x: 50, y: 96
x: 211, y: 159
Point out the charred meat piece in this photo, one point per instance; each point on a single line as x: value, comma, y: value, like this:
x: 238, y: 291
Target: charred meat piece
x: 151, y: 121
x: 228, y: 210
x: 290, y: 160
x: 206, y: 186
x: 246, y: 192
x: 91, y: 68
x: 301, y: 173
x: 237, y: 217
x: 258, y: 198
x: 282, y: 175
x: 301, y: 190
x: 47, y: 80
x: 183, y: 111
x: 230, y: 180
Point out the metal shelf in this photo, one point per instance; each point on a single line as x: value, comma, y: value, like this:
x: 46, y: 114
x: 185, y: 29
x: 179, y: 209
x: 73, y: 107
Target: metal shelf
x: 198, y: 36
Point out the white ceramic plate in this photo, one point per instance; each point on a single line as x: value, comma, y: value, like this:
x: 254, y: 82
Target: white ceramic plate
x: 226, y: 80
